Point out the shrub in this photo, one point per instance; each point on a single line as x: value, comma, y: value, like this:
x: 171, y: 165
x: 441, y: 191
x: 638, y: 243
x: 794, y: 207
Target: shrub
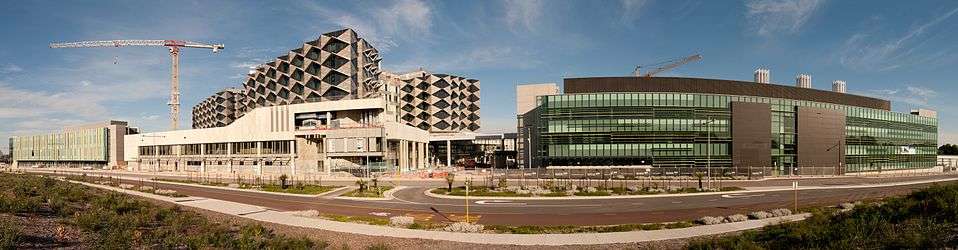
x: 709, y: 220
x: 736, y: 218
x: 759, y: 215
x: 781, y: 212
x: 9, y: 234
x: 847, y: 206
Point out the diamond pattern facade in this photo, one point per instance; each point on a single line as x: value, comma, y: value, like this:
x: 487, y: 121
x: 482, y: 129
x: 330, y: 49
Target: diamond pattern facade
x: 219, y: 109
x: 341, y: 65
x: 437, y: 102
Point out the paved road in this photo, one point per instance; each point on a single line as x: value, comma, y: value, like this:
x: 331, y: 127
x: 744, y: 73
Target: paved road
x: 413, y: 202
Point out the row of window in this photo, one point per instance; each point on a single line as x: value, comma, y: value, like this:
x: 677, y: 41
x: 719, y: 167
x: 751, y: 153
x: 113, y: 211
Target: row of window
x: 637, y: 149
x: 238, y: 148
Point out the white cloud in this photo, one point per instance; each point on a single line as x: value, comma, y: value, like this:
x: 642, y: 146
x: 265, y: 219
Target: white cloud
x: 632, y: 10
x: 522, y: 15
x: 914, y: 95
x: 10, y: 68
x: 383, y: 25
x: 866, y: 51
x: 770, y: 17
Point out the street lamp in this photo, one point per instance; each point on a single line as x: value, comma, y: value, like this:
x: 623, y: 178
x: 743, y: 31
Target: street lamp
x: 708, y: 157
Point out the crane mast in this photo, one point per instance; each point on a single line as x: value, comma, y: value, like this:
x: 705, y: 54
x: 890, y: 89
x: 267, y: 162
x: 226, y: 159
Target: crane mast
x: 174, y: 47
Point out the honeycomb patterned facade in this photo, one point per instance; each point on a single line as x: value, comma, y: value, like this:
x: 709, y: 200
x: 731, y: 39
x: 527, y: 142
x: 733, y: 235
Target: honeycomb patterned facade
x: 438, y: 102
x: 219, y: 109
x: 341, y: 65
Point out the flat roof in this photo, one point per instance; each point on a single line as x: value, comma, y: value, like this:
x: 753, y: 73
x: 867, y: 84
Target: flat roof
x: 716, y: 86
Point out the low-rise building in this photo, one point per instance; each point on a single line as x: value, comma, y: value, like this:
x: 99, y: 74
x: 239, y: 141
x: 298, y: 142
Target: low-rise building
x: 98, y: 145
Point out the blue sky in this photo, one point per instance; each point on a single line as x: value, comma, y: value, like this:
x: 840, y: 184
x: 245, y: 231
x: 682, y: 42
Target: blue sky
x: 904, y: 51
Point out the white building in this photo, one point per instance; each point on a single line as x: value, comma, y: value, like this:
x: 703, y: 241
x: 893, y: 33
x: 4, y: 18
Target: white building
x: 295, y: 139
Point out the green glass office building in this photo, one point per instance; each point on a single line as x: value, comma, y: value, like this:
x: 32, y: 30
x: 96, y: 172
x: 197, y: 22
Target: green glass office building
x: 684, y: 125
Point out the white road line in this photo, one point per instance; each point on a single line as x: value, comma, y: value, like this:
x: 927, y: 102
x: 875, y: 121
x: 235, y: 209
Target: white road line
x: 735, y: 196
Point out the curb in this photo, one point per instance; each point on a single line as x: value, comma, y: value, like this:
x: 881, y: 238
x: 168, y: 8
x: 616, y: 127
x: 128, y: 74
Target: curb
x: 388, y: 195
x: 442, y: 196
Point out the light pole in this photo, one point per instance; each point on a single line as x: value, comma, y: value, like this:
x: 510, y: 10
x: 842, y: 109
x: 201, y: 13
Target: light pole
x: 708, y: 156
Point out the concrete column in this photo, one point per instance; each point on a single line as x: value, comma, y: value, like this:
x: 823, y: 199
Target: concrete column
x: 422, y: 155
x: 292, y: 156
x: 402, y: 156
x: 259, y: 159
x: 329, y: 116
x: 426, y: 152
x: 448, y: 153
x: 202, y: 158
x: 229, y: 153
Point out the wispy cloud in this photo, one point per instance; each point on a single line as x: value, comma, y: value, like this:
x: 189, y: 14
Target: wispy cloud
x: 383, y: 25
x: 10, y: 68
x: 911, y: 94
x: 523, y: 15
x: 867, y: 51
x: 486, y: 57
x: 632, y: 10
x: 771, y: 17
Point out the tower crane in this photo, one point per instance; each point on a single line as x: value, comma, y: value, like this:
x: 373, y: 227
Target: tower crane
x: 174, y: 47
x: 666, y: 65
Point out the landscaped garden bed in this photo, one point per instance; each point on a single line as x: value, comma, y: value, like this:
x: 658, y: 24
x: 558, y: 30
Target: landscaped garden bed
x: 289, y: 188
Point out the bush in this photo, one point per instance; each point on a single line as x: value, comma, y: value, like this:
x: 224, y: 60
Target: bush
x: 759, y: 215
x: 9, y: 234
x: 924, y: 219
x: 709, y: 220
x: 781, y: 212
x: 736, y: 218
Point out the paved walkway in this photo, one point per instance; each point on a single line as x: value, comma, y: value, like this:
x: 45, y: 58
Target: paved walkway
x: 288, y: 218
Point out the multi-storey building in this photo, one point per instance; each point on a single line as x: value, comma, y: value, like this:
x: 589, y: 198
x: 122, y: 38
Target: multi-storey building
x: 340, y: 66
x: 681, y: 125
x: 98, y: 145
x: 220, y: 109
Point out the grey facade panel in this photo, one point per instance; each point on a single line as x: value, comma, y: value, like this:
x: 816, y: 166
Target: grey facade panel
x: 821, y: 141
x: 716, y: 86
x: 751, y: 135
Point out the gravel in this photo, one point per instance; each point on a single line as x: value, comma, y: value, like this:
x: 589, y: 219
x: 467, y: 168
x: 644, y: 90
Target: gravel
x: 709, y: 220
x: 463, y: 227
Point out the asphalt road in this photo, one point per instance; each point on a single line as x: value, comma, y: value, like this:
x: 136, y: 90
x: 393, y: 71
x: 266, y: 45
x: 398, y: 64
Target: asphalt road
x: 412, y: 201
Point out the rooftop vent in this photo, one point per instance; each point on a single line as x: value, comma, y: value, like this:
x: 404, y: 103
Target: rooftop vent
x: 761, y: 75
x: 803, y: 81
x: 839, y: 86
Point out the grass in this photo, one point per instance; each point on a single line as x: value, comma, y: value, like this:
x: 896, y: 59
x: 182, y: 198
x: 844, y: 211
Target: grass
x: 924, y: 219
x: 290, y: 189
x: 118, y: 221
x: 369, y: 192
x: 9, y: 234
x: 357, y: 219
x: 571, y: 229
x: 109, y: 181
x: 478, y: 191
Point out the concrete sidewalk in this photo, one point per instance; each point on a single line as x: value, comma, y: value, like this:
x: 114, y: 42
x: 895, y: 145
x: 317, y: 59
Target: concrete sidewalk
x: 288, y: 218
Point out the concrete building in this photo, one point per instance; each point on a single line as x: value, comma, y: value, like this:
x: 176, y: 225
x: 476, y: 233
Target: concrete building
x: 296, y: 139
x: 98, y: 145
x: 684, y: 125
x: 340, y: 65
x: 527, y: 96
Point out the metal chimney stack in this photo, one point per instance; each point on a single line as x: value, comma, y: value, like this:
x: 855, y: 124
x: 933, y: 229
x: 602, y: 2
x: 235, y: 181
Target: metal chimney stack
x: 761, y: 75
x: 839, y: 86
x: 803, y: 81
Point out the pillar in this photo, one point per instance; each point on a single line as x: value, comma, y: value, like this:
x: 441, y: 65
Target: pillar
x: 202, y: 158
x: 259, y: 159
x: 229, y: 157
x: 402, y: 156
x: 448, y: 153
x: 292, y: 156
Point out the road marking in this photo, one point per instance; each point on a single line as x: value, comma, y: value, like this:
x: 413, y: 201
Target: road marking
x: 734, y: 196
x: 380, y: 214
x: 713, y: 200
x: 498, y: 202
x: 676, y: 202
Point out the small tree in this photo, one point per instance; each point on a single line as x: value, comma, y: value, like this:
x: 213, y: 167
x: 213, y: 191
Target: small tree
x: 376, y: 184
x: 699, y: 175
x: 282, y: 181
x: 362, y: 185
x: 450, y: 178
